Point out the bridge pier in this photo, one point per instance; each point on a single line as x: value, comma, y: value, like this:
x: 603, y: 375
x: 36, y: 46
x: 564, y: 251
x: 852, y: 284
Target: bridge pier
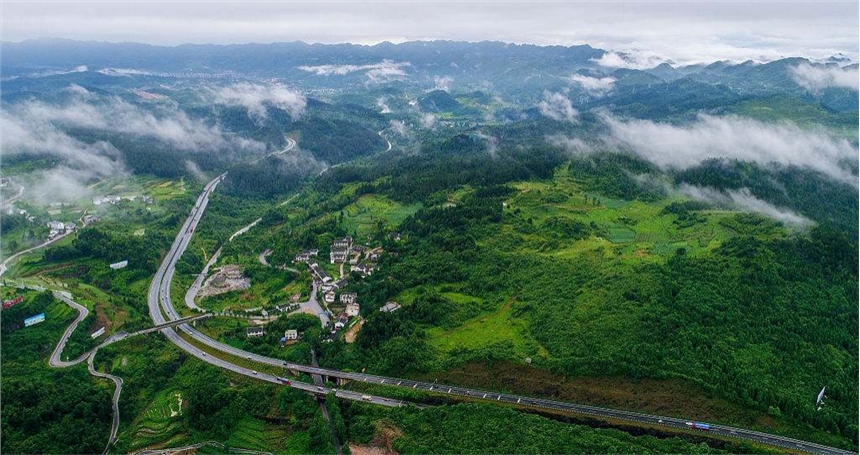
x: 342, y: 382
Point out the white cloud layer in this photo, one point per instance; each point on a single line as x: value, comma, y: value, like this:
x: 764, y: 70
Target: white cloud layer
x: 428, y: 121
x: 744, y: 200
x: 686, y: 32
x: 815, y: 78
x: 383, y: 71
x: 595, y: 86
x: 443, y: 82
x: 637, y: 60
x: 382, y: 104
x: 557, y: 106
x: 684, y: 146
x: 39, y: 128
x: 256, y: 97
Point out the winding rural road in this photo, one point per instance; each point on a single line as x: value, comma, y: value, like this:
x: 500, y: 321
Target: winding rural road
x: 4, y: 266
x: 56, y: 361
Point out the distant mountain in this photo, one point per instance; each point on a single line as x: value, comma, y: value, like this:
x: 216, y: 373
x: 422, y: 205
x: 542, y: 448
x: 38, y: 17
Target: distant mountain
x: 301, y: 62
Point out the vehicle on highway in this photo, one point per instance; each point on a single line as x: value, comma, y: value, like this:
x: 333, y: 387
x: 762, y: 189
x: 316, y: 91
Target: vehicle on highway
x: 320, y: 389
x: 367, y: 398
x: 699, y: 426
x: 285, y: 381
x: 253, y: 372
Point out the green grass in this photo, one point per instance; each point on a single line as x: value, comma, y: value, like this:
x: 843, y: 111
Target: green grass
x: 635, y: 230
x: 250, y: 433
x: 485, y: 331
x: 361, y: 216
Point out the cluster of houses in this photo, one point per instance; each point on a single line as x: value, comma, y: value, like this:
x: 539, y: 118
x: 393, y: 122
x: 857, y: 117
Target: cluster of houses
x: 305, y: 256
x: 114, y: 200
x: 360, y: 258
x: 59, y: 228
x: 12, y: 210
x: 290, y: 335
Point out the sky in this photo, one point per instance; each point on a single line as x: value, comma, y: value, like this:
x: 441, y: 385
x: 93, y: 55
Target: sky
x: 689, y: 32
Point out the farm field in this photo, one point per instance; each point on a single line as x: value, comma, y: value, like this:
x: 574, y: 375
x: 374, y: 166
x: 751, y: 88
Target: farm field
x: 362, y: 216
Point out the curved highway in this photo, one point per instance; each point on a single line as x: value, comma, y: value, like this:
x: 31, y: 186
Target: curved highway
x: 159, y: 296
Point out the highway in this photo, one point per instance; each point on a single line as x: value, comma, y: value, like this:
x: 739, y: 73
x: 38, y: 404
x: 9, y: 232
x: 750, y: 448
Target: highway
x: 159, y: 296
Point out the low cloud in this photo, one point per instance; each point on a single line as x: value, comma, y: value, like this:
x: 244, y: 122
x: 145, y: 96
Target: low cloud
x: 383, y: 71
x: 62, y: 184
x: 492, y: 143
x: 638, y: 60
x: 255, y: 98
x: 46, y: 73
x: 574, y: 145
x: 815, y: 78
x: 557, y: 106
x: 595, y: 86
x: 382, y: 104
x: 684, y: 146
x: 399, y: 127
x: 122, y: 72
x: 39, y: 128
x: 428, y: 121
x: 744, y: 200
x: 443, y: 82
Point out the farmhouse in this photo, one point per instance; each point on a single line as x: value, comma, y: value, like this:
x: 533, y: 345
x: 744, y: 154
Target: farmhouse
x: 341, y: 321
x: 255, y: 332
x: 291, y: 334
x: 329, y: 297
x: 320, y: 273
x: 352, y: 309
x: 348, y: 297
x: 390, y: 307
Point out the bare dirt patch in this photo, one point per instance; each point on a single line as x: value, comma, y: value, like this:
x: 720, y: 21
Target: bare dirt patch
x: 226, y: 279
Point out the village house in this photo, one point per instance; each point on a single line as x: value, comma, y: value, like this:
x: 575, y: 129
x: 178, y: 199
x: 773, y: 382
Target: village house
x: 286, y: 307
x: 337, y: 256
x: 329, y: 297
x: 341, y: 283
x: 342, y: 244
x: 341, y: 321
x: 352, y: 309
x: 320, y: 273
x: 364, y: 269
x: 255, y: 332
x: 328, y: 287
x: 390, y: 307
x: 302, y: 257
x: 291, y: 334
x: 348, y: 297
